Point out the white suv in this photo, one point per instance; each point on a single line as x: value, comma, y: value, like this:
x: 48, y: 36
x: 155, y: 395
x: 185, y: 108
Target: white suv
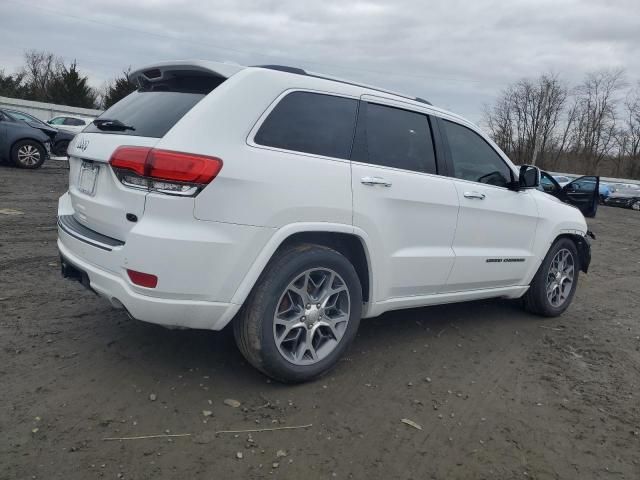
x: 293, y: 204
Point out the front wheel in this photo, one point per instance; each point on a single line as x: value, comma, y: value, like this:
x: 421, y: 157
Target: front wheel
x: 555, y: 282
x: 302, y: 314
x: 636, y: 205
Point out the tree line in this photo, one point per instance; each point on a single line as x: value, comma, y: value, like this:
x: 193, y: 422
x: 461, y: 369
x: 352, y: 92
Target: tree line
x: 589, y: 128
x: 44, y: 77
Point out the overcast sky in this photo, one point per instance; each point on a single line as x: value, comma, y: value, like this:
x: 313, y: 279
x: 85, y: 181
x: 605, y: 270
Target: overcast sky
x: 458, y: 54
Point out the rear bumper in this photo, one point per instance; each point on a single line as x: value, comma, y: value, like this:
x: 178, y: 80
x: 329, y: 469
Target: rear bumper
x: 163, y: 311
x: 199, y: 265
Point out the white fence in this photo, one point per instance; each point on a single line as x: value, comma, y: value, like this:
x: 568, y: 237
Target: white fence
x: 46, y: 111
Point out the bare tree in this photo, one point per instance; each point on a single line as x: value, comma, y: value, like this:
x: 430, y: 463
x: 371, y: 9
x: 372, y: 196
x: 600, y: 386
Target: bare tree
x: 39, y: 71
x: 524, y: 120
x: 594, y: 129
x: 631, y: 128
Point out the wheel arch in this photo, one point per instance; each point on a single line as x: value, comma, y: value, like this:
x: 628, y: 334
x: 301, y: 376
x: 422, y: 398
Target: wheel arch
x: 349, y: 245
x: 344, y: 238
x: 21, y: 139
x: 582, y: 245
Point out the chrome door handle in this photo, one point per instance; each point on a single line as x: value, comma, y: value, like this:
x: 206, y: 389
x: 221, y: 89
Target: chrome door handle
x: 372, y: 181
x: 478, y: 195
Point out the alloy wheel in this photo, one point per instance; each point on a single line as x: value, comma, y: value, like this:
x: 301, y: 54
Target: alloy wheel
x: 28, y: 155
x: 311, y: 316
x: 560, y: 277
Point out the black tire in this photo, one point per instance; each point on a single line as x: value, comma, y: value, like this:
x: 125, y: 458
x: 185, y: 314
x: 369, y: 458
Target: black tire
x: 254, y: 325
x: 60, y: 149
x: 635, y: 205
x: 536, y: 300
x: 31, y: 162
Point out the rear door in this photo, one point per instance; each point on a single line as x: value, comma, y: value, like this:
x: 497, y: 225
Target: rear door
x: 583, y: 193
x: 408, y: 211
x: 100, y: 200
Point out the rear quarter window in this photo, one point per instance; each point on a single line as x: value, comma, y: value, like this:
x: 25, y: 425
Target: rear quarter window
x: 313, y: 123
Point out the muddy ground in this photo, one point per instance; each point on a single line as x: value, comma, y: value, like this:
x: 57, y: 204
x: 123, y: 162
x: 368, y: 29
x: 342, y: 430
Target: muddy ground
x: 499, y: 393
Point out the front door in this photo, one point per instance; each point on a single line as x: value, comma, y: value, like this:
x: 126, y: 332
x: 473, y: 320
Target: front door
x: 584, y: 193
x: 496, y: 225
x: 408, y: 211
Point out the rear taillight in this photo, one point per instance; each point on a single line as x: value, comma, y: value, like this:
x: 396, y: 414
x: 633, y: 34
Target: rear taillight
x: 164, y: 171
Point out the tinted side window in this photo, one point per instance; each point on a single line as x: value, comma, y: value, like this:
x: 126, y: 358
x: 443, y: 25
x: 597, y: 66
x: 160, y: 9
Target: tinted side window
x: 73, y: 122
x: 473, y: 158
x: 311, y: 123
x: 395, y: 138
x: 57, y: 121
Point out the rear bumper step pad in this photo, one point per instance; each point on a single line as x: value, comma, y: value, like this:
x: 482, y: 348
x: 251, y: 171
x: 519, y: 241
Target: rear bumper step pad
x: 74, y: 228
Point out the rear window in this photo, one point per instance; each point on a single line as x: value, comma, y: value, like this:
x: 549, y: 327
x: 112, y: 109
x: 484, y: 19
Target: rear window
x: 311, y: 123
x: 154, y: 109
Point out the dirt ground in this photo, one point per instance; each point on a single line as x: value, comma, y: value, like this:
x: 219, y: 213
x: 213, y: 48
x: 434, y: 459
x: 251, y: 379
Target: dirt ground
x: 499, y: 393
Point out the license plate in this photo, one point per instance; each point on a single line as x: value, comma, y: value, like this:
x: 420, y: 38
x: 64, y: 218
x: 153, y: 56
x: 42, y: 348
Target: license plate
x: 87, y: 179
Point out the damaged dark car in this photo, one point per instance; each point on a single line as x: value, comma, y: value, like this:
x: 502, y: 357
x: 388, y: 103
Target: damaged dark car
x: 582, y: 193
x: 626, y: 196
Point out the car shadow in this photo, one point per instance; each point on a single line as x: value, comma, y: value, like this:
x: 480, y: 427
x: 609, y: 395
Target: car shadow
x: 165, y: 353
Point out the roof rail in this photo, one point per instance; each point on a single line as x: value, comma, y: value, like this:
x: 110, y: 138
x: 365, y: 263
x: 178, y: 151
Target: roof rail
x: 283, y: 68
x: 422, y: 100
x: 300, y: 71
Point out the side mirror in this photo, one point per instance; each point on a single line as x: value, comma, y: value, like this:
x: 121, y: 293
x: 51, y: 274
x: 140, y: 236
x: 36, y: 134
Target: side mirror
x: 49, y: 122
x: 529, y: 177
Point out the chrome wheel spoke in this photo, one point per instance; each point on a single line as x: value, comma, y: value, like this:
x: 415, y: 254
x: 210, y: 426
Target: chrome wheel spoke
x: 300, y: 286
x: 311, y: 316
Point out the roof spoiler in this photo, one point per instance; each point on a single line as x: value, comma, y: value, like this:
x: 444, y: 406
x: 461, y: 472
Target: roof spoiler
x: 161, y: 71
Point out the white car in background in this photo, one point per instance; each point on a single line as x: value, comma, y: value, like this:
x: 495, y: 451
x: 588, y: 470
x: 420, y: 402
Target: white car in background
x: 70, y: 122
x: 291, y: 205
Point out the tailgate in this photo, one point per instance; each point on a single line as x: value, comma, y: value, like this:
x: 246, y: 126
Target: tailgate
x: 165, y: 93
x: 99, y: 200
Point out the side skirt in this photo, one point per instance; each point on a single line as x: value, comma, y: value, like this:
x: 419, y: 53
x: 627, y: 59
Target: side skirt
x: 443, y: 298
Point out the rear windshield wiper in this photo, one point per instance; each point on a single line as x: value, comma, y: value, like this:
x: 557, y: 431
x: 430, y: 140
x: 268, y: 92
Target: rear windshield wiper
x: 108, y: 124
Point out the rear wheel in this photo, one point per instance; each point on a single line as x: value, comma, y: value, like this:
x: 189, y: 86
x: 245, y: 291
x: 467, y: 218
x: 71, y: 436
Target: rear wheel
x: 302, y: 314
x: 28, y: 154
x: 555, y: 282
